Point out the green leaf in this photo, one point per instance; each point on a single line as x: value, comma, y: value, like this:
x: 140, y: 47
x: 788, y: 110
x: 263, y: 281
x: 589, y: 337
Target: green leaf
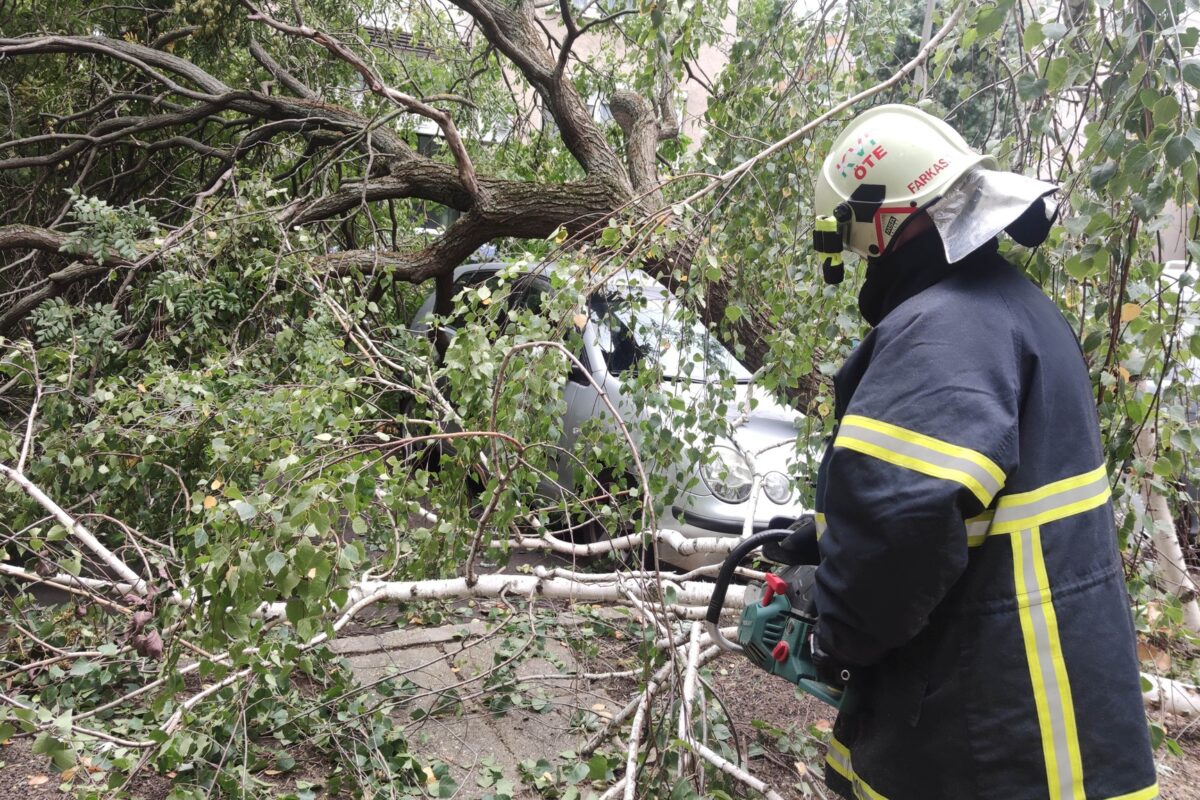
x: 1033, y: 35
x: 244, y: 510
x: 1191, y: 74
x: 1178, y: 150
x: 296, y: 610
x: 1156, y: 735
x: 597, y: 768
x: 275, y: 562
x: 1031, y: 87
x: 1054, y: 31
x: 1078, y: 267
x: 1056, y: 73
x: 990, y: 19
x: 1102, y: 174
x: 60, y: 753
x: 1166, y: 110
x: 578, y: 773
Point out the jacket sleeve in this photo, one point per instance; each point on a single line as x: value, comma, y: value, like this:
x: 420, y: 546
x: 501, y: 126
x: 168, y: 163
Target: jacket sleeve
x: 925, y: 443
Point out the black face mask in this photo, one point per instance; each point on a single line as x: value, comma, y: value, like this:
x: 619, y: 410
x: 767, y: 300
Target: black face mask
x: 1032, y: 227
x: 893, y: 278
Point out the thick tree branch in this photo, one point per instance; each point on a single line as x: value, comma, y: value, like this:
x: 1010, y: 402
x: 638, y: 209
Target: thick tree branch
x: 28, y: 237
x: 289, y: 81
x: 81, y: 533
x: 521, y: 210
x: 216, y: 96
x: 512, y: 28
x: 466, y: 168
x: 638, y: 120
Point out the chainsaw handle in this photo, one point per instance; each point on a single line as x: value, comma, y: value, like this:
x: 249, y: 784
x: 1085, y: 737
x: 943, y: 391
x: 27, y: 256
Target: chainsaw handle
x: 729, y: 566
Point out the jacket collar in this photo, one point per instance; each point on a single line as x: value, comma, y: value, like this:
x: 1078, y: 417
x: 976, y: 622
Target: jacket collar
x: 921, y: 263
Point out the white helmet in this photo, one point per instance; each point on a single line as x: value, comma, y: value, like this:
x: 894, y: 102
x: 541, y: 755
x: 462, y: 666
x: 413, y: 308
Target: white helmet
x: 893, y: 161
x: 889, y: 163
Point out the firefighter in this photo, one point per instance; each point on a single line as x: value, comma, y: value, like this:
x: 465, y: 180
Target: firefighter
x: 970, y: 584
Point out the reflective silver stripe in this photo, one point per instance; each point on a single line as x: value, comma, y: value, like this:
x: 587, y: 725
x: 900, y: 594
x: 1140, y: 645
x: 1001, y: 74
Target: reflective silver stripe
x: 978, y: 529
x: 822, y: 525
x: 1052, y: 692
x: 1053, y: 501
x: 915, y: 454
x: 838, y: 757
x: 840, y: 762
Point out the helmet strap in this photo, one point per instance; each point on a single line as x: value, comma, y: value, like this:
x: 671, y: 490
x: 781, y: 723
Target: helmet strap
x: 828, y: 239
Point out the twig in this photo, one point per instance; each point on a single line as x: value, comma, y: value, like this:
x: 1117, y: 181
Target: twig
x: 81, y: 533
x: 12, y: 701
x: 807, y: 128
x: 33, y: 409
x: 689, y: 690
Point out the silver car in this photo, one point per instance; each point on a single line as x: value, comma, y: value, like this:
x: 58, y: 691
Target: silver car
x: 746, y: 480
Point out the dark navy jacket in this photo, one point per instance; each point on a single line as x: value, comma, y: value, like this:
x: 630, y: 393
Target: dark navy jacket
x: 970, y: 575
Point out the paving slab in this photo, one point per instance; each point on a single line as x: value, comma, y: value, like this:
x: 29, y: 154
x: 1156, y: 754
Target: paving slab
x: 454, y: 722
x: 401, y: 638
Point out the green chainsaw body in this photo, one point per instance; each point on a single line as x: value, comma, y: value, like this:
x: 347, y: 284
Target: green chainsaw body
x: 775, y: 638
x: 775, y: 629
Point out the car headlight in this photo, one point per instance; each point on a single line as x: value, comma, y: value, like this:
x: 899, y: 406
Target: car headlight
x: 777, y: 487
x: 727, y: 476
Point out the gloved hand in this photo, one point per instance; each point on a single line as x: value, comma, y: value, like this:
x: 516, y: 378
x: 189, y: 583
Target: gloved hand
x: 802, y: 588
x: 829, y: 671
x: 798, y: 548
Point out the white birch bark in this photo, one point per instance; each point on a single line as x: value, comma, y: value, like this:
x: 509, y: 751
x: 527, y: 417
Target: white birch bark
x: 1172, y: 567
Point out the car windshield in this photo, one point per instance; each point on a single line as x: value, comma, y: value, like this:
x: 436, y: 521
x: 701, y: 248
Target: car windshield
x: 637, y: 327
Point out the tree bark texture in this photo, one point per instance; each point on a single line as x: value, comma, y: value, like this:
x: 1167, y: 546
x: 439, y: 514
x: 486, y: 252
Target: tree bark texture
x: 491, y: 207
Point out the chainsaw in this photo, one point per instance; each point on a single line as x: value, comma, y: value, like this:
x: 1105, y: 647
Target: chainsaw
x: 776, y: 627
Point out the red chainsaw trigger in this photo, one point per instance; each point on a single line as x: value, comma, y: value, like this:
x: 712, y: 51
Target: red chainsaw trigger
x: 775, y: 585
x: 781, y: 652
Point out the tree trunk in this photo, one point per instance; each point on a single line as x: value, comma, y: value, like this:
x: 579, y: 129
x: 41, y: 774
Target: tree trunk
x: 1171, y: 565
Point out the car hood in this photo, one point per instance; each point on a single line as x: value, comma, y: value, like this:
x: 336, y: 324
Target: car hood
x: 769, y: 424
